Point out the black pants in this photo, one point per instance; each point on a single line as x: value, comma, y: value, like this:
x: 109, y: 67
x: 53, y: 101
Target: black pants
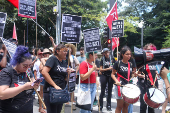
x: 104, y: 80
x: 143, y: 105
x: 51, y: 108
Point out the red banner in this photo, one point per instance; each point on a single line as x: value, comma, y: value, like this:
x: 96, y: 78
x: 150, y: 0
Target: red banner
x: 115, y: 41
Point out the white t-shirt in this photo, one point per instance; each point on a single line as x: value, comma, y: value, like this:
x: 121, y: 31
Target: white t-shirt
x: 36, y: 68
x: 74, y: 61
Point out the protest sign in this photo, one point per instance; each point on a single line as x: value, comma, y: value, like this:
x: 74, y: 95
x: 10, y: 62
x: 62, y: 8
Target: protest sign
x: 92, y: 40
x: 3, y: 17
x: 27, y: 8
x: 71, y: 28
x: 118, y: 28
x: 11, y: 47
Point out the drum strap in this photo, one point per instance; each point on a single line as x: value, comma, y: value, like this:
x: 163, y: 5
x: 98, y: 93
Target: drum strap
x: 149, y: 73
x: 118, y: 87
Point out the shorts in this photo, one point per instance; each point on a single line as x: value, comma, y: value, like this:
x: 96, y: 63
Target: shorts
x: 116, y: 93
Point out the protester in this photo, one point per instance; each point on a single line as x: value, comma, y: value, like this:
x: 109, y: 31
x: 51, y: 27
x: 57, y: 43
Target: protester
x: 152, y: 68
x: 15, y: 87
x: 37, y: 75
x: 3, y: 56
x: 81, y: 58
x: 87, y: 72
x: 105, y: 78
x: 121, y: 67
x: 164, y: 73
x: 55, y: 76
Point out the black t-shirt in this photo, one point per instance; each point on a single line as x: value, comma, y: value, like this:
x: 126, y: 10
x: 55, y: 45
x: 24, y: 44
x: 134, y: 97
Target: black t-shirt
x: 21, y: 103
x: 152, y: 68
x: 122, y: 69
x: 133, y: 62
x: 58, y: 72
x: 106, y: 63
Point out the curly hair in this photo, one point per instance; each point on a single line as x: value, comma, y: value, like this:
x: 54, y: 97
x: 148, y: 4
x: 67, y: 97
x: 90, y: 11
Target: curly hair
x: 21, y: 54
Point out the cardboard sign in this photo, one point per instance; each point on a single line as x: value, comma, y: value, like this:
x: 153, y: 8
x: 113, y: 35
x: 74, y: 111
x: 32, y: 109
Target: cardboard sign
x: 118, y: 28
x: 3, y: 17
x: 92, y: 40
x: 11, y: 47
x: 71, y: 28
x: 27, y: 8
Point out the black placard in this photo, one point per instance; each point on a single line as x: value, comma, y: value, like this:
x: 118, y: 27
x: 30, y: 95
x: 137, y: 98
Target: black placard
x: 71, y: 28
x: 27, y: 8
x: 11, y: 47
x: 92, y: 40
x: 118, y: 28
x: 2, y: 22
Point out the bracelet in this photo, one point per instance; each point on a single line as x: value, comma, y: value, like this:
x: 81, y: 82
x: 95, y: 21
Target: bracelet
x: 167, y: 88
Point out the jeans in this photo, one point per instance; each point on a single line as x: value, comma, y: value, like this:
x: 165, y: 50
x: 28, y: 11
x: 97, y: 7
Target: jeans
x: 130, y: 108
x: 51, y: 108
x: 84, y: 87
x: 104, y: 80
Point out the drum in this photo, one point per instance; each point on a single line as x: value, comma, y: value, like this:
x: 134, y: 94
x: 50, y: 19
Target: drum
x: 130, y: 93
x: 157, y: 98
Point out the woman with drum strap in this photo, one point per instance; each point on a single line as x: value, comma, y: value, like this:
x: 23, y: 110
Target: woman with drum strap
x: 106, y: 69
x: 151, y: 71
x: 124, y: 72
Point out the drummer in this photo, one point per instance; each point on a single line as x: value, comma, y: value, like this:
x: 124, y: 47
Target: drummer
x: 124, y: 74
x: 152, y: 70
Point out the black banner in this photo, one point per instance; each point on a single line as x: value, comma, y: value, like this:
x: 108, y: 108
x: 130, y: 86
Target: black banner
x: 2, y: 22
x: 92, y: 40
x: 71, y: 28
x: 11, y: 47
x: 118, y: 28
x: 27, y: 8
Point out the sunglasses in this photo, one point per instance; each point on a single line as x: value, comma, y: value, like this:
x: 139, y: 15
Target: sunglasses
x: 26, y: 65
x: 64, y: 49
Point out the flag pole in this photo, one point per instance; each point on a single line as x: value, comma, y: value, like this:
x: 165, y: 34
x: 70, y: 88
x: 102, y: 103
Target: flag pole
x: 24, y: 37
x: 36, y: 30
x: 117, y: 48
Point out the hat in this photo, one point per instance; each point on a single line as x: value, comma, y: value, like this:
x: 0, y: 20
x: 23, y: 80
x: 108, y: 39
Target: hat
x: 51, y: 48
x: 46, y: 51
x: 105, y: 49
x: 72, y: 47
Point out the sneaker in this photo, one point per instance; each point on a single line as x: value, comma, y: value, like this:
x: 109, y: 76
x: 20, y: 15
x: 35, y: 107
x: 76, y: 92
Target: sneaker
x: 74, y: 107
x: 95, y: 103
x: 109, y: 108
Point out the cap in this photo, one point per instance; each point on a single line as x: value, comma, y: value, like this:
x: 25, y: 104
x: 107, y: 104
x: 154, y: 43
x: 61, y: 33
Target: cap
x: 51, y: 48
x: 105, y: 49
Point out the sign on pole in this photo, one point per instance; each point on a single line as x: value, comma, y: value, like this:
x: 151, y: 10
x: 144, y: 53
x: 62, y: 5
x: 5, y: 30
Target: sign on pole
x: 11, y: 47
x: 3, y: 17
x: 27, y: 8
x: 92, y: 40
x: 118, y: 28
x: 71, y: 28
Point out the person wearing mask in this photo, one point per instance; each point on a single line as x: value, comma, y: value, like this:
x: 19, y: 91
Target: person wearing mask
x: 88, y: 74
x: 105, y: 78
x: 123, y: 76
x: 15, y: 87
x: 150, y: 68
x: 55, y: 74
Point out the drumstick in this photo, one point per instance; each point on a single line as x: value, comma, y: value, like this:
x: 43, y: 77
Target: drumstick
x: 37, y: 93
x: 155, y: 78
x: 124, y: 86
x: 150, y: 81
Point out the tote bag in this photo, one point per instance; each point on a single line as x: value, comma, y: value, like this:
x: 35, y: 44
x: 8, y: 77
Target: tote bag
x: 84, y: 97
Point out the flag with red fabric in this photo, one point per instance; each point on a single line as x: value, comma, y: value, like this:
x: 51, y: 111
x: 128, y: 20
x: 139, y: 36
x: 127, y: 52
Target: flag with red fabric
x: 115, y: 41
x: 14, y: 2
x: 112, y: 15
x: 14, y: 32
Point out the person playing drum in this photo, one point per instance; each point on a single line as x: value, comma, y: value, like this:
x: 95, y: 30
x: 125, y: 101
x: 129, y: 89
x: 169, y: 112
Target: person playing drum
x: 151, y: 73
x: 124, y: 72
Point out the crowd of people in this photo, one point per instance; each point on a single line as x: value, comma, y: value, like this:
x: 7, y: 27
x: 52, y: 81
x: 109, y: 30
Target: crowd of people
x: 56, y: 63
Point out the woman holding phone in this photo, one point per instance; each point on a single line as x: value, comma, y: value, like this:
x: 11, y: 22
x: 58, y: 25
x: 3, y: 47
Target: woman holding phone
x: 15, y: 88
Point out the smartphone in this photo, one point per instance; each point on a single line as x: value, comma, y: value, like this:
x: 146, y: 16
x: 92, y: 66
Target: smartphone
x: 38, y: 81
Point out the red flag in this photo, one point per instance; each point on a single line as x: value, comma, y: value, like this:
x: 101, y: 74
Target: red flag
x: 112, y: 15
x: 115, y: 41
x: 14, y: 2
x: 14, y: 33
